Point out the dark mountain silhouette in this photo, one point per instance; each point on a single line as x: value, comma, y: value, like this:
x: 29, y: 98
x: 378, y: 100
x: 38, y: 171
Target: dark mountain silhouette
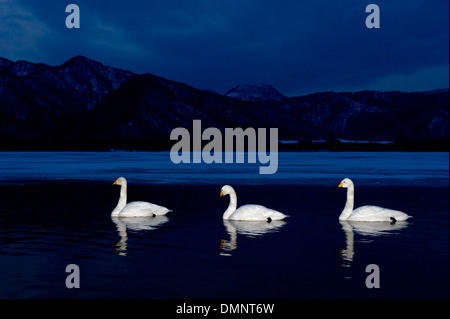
x: 83, y: 104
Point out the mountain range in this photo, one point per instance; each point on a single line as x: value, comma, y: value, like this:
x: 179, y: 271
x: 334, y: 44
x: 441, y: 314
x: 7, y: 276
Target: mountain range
x: 83, y: 104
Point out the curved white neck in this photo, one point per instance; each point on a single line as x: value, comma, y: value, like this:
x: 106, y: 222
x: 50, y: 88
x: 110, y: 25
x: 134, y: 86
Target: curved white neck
x: 348, y: 209
x: 122, y: 200
x: 232, y: 206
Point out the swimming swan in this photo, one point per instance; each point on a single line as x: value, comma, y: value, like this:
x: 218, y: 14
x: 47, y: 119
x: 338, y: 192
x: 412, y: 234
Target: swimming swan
x: 367, y: 213
x: 134, y: 209
x: 248, y: 212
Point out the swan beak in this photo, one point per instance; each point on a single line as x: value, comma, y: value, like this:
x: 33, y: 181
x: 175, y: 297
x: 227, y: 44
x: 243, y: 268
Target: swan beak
x: 221, y: 193
x: 340, y: 185
x: 115, y: 183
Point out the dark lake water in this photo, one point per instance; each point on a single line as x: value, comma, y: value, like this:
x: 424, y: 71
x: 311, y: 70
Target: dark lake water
x: 55, y: 211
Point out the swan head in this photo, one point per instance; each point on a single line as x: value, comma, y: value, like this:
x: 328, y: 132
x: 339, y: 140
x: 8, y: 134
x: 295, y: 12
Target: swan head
x: 226, y: 190
x: 346, y: 183
x: 120, y: 181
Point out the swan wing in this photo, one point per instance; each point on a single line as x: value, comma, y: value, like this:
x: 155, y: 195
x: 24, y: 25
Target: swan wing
x: 256, y: 213
x: 376, y: 213
x: 142, y: 209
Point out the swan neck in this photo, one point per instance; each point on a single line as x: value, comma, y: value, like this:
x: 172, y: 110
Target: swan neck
x: 122, y: 200
x: 232, y: 206
x: 348, y: 209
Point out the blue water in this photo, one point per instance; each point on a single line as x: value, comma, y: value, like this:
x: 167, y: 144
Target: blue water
x: 323, y: 168
x: 55, y: 211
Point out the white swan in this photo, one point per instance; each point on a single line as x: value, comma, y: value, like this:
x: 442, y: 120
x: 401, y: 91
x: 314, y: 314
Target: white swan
x: 367, y: 213
x: 135, y: 209
x: 248, y: 212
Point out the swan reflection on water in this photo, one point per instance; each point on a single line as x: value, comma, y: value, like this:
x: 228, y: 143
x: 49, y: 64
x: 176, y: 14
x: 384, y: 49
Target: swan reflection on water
x: 250, y: 229
x: 367, y: 229
x: 135, y: 224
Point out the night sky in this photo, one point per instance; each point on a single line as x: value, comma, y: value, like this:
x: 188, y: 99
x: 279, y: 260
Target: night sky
x: 298, y: 47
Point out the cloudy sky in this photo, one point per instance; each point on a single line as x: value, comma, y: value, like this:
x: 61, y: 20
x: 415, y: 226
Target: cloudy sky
x: 299, y: 47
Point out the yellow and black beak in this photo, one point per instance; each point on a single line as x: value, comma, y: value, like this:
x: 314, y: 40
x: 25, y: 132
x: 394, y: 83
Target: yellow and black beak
x: 115, y: 183
x: 221, y: 193
x: 340, y: 185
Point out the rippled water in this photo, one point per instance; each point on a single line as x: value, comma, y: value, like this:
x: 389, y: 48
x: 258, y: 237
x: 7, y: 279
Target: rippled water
x: 323, y: 168
x: 55, y: 210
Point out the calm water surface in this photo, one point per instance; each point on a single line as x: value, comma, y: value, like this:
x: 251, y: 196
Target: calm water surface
x: 55, y: 210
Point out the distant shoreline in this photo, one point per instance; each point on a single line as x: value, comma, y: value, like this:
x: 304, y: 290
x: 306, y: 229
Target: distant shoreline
x: 335, y: 145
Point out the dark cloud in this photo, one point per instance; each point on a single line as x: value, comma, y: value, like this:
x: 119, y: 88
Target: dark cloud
x: 295, y: 46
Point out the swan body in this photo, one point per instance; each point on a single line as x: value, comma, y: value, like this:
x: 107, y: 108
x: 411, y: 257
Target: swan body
x: 367, y: 213
x: 135, y: 209
x: 249, y: 212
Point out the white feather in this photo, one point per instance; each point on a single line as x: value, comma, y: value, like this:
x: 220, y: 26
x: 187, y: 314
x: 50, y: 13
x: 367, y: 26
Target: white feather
x: 135, y: 209
x: 249, y: 212
x: 367, y: 213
